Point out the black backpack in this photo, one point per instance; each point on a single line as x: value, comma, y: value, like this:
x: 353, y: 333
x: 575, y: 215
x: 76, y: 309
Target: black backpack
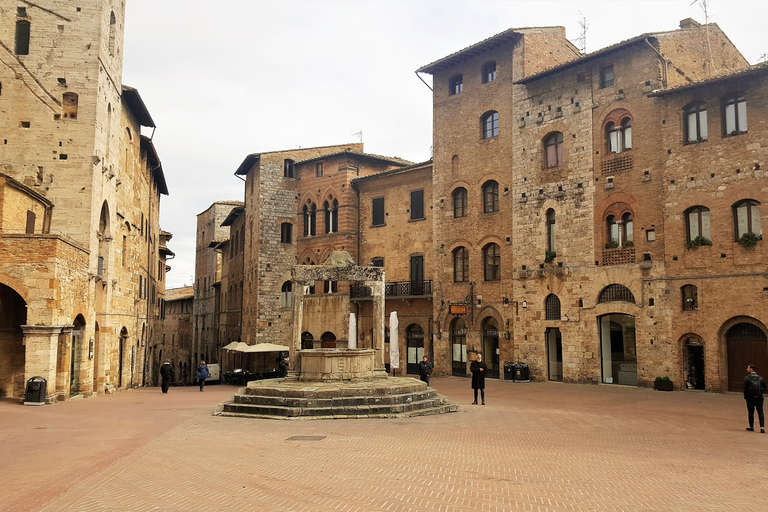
x: 755, y: 387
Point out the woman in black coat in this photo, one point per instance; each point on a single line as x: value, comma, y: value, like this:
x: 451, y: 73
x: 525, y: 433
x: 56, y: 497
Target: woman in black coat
x: 478, y: 369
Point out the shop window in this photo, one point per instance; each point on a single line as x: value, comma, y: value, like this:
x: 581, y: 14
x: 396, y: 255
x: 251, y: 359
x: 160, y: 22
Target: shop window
x: 697, y: 223
x: 489, y: 72
x: 690, y: 298
x: 490, y: 197
x: 490, y: 124
x: 607, y: 78
x: 553, y: 150
x: 492, y: 262
x: 460, y: 202
x: 695, y: 126
x: 460, y: 265
x: 734, y: 115
x: 456, y: 85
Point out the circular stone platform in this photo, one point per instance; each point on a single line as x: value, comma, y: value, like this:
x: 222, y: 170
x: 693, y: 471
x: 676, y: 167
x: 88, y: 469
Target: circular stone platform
x: 393, y: 397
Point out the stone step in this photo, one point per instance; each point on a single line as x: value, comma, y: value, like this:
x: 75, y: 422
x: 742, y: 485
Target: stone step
x: 443, y: 409
x: 433, y: 405
x: 345, y: 401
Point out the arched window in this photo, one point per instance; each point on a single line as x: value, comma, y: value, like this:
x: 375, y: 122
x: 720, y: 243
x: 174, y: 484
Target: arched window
x: 619, y: 137
x: 552, y: 307
x: 553, y: 150
x: 22, y: 38
x: 734, y: 115
x: 460, y: 202
x: 460, y: 265
x: 492, y: 262
x: 689, y: 294
x: 746, y: 217
x: 616, y: 293
x: 551, y: 230
x: 489, y: 124
x: 456, y: 85
x: 697, y: 223
x: 489, y: 72
x: 455, y: 164
x: 627, y: 232
x: 695, y: 122
x: 112, y: 30
x: 310, y: 216
x: 612, y: 238
x: 327, y: 211
x: 490, y: 196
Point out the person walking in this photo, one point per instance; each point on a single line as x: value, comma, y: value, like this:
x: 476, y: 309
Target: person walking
x: 425, y: 370
x: 201, y: 374
x: 166, y: 374
x: 284, y: 364
x: 478, y: 369
x: 754, y: 387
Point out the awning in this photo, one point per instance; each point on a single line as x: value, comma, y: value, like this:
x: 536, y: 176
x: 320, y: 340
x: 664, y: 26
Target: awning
x: 231, y: 346
x: 238, y: 346
x: 266, y: 347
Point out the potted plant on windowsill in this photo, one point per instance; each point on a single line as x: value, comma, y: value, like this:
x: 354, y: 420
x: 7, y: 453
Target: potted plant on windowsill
x: 749, y: 240
x: 698, y: 242
x: 663, y: 384
x: 549, y: 256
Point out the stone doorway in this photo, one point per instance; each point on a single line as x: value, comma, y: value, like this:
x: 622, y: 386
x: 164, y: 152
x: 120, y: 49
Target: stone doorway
x: 76, y: 355
x: 693, y: 356
x: 747, y: 343
x: 13, y: 314
x: 491, y: 347
x: 555, y: 354
x: 414, y: 347
x: 618, y: 351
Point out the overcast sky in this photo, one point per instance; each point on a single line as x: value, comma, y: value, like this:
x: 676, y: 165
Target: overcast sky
x: 226, y: 79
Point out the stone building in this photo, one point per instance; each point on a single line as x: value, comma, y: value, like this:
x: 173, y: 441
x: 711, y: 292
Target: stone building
x: 176, y: 334
x: 81, y: 277
x: 595, y: 216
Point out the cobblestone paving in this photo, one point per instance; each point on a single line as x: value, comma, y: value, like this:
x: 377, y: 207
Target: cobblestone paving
x: 534, y: 447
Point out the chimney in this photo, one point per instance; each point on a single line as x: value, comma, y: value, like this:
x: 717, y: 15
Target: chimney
x: 688, y: 23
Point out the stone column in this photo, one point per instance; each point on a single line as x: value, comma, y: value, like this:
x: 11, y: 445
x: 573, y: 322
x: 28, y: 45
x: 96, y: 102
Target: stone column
x: 297, y: 296
x: 40, y: 355
x: 379, y: 311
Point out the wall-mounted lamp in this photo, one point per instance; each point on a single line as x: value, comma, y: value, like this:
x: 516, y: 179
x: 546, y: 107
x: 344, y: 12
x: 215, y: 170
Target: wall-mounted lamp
x: 565, y: 318
x: 525, y: 304
x: 507, y: 335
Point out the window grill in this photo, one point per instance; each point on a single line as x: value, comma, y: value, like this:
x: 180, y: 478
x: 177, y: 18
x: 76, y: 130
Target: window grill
x: 552, y: 307
x: 616, y: 293
x: 611, y: 165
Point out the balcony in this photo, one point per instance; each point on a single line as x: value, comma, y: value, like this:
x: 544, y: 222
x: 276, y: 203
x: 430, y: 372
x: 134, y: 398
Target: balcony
x: 617, y: 162
x: 395, y: 289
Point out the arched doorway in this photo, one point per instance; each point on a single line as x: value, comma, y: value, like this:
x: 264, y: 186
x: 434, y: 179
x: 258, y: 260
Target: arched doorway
x: 414, y: 347
x: 13, y: 314
x: 618, y: 351
x: 459, y: 348
x: 555, y: 354
x: 491, y: 347
x: 747, y: 344
x: 328, y: 340
x: 307, y: 341
x: 120, y: 355
x: 76, y: 355
x: 693, y: 363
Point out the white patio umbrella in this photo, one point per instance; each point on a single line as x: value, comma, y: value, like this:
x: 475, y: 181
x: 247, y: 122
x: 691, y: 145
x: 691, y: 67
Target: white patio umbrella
x: 230, y: 346
x: 394, y: 347
x: 352, y: 331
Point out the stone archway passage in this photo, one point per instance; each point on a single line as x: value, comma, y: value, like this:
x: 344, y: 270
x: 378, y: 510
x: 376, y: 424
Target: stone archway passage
x: 747, y: 343
x: 13, y: 314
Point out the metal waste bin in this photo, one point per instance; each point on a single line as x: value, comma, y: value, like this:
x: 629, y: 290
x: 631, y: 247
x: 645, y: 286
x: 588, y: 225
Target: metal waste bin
x: 509, y: 371
x: 35, y: 394
x: 522, y: 372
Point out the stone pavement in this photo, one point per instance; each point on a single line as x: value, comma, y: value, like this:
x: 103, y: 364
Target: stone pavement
x: 534, y: 447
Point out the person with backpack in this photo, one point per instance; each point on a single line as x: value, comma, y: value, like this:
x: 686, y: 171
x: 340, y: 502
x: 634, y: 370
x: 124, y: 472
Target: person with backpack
x: 754, y: 387
x: 202, y: 373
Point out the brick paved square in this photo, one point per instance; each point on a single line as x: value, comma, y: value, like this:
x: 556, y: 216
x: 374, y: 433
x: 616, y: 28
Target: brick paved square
x: 534, y: 447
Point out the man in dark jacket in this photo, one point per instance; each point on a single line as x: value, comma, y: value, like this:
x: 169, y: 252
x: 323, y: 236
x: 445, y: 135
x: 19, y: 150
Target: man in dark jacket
x: 166, y: 374
x: 425, y: 370
x: 284, y: 364
x: 754, y: 387
x: 478, y: 369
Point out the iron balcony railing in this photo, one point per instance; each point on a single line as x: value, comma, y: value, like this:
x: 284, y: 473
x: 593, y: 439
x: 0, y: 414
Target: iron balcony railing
x: 396, y: 289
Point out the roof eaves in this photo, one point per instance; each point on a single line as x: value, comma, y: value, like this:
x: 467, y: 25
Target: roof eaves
x: 247, y: 164
x: 390, y: 172
x: 370, y: 156
x: 154, y: 164
x: 233, y: 215
x: 741, y: 73
x: 469, y: 52
x: 135, y: 104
